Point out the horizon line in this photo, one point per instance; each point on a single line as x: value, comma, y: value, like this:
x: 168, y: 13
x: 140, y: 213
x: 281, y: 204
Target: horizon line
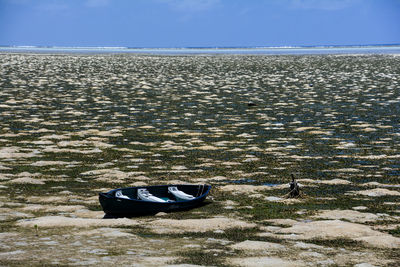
x: 204, y: 47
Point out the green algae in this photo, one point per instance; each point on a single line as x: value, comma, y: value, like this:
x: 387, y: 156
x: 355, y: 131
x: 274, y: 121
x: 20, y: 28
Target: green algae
x: 188, y: 119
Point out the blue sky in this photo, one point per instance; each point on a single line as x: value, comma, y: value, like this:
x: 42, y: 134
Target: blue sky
x: 198, y: 23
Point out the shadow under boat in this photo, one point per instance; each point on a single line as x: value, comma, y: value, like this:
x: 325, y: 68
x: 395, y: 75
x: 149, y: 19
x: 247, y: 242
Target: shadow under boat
x: 136, y: 215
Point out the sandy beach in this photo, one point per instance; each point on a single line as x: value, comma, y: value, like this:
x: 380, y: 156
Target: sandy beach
x: 74, y: 125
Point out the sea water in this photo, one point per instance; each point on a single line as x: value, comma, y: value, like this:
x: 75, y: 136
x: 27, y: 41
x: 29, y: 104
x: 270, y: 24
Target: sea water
x: 301, y: 50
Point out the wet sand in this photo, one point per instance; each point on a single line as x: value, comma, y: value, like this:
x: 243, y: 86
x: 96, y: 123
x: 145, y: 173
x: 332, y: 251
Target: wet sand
x: 72, y: 126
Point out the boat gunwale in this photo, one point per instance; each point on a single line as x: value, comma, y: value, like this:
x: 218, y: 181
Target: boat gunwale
x: 110, y: 195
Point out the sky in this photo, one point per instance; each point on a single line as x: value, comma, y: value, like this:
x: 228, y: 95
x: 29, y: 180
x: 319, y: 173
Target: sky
x: 199, y: 23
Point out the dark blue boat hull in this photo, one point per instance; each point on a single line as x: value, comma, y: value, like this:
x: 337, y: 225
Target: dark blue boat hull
x: 120, y: 207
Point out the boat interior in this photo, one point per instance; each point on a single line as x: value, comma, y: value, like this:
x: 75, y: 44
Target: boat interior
x: 171, y: 193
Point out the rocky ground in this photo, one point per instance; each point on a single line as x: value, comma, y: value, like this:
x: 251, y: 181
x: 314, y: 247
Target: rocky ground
x: 72, y: 126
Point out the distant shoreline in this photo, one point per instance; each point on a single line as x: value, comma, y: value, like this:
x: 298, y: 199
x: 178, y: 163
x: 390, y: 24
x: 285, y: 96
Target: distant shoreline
x: 283, y: 50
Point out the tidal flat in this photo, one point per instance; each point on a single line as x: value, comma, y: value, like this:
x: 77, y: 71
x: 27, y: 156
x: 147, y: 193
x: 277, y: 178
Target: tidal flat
x: 73, y: 125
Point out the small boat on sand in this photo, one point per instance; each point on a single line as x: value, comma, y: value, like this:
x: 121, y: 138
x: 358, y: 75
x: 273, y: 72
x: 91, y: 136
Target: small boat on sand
x: 149, y: 200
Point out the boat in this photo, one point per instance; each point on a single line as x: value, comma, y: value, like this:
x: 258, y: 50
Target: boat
x: 149, y: 200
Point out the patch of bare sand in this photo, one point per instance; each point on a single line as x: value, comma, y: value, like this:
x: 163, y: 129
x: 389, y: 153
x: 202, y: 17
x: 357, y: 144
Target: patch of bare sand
x: 53, y: 208
x: 218, y: 178
x: 138, y: 184
x: 264, y: 262
x: 111, y: 133
x: 197, y: 225
x: 4, y: 168
x: 62, y: 199
x: 48, y: 199
x: 207, y: 148
x: 352, y: 215
x: 141, y: 178
x: 85, y: 213
x: 5, y: 176
x: 110, y: 175
x: 62, y: 221
x: 154, y: 261
x: 9, y: 235
x: 231, y: 163
x: 84, y: 143
x: 25, y: 180
x: 53, y: 149
x: 107, y: 232
x: 229, y: 204
x: 7, y: 214
x: 187, y: 133
x: 175, y: 182
x: 328, y: 182
x: 320, y: 132
x: 250, y: 245
x: 334, y: 229
x: 244, y: 189
x: 286, y: 201
x: 16, y: 153
x: 55, y: 137
x: 302, y: 129
x: 376, y: 184
x: 377, y: 192
x: 43, y: 163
